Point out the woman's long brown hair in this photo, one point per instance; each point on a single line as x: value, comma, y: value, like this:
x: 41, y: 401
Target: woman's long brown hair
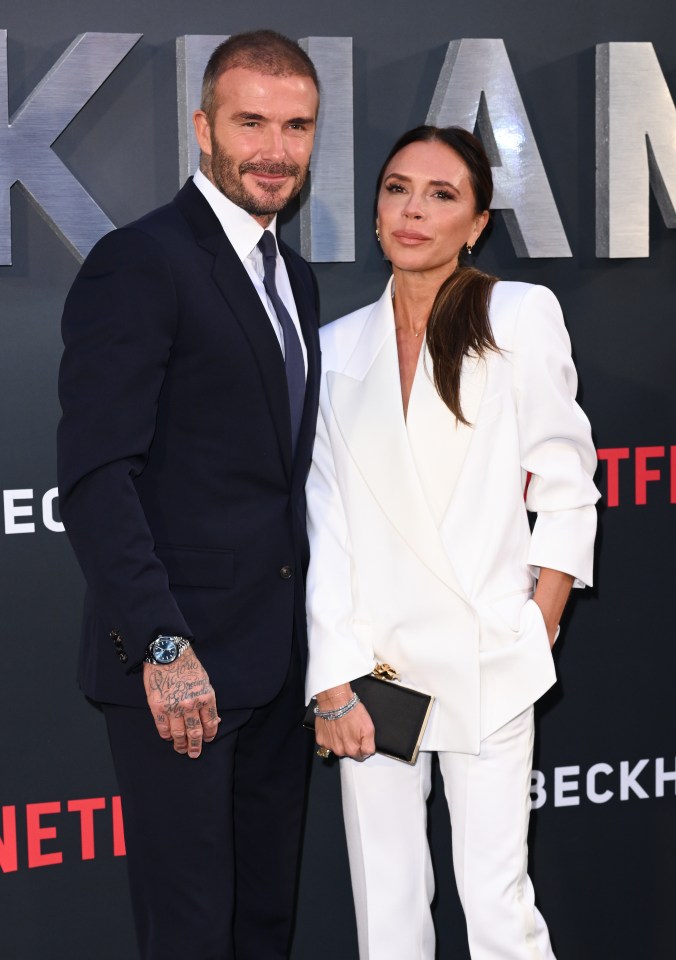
x: 459, y: 322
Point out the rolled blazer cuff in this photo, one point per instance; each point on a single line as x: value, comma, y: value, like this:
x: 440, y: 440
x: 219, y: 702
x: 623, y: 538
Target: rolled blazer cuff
x: 334, y: 670
x: 564, y: 540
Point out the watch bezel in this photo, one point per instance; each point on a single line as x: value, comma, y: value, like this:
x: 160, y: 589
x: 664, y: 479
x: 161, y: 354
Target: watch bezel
x: 180, y: 645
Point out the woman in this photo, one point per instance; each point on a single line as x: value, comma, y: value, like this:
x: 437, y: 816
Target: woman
x: 447, y: 411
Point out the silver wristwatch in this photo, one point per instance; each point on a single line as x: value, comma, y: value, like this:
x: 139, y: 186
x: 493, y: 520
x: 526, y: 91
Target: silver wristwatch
x: 165, y: 649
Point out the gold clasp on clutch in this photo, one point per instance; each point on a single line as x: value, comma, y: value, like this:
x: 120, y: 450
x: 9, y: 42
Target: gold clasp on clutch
x: 383, y: 671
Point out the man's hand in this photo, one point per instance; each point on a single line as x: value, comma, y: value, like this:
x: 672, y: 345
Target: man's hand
x: 183, y: 702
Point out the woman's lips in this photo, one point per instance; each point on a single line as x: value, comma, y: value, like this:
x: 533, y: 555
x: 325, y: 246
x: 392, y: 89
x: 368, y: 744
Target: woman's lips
x: 410, y: 237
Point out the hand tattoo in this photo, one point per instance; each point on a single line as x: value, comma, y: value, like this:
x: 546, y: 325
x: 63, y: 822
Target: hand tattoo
x: 180, y: 690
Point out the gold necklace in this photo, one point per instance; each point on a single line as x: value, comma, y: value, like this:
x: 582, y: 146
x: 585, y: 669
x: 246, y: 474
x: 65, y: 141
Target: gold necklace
x: 416, y: 333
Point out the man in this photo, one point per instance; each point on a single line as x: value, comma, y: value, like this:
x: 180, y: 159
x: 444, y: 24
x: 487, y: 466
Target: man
x: 189, y: 387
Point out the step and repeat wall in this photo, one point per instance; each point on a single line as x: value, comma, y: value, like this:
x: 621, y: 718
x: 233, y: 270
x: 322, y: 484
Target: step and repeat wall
x: 575, y: 104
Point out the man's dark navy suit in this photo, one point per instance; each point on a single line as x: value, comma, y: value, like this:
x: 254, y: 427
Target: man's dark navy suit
x: 187, y: 515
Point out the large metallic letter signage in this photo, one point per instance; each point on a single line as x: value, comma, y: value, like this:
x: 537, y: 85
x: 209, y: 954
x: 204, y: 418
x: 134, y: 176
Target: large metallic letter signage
x: 476, y: 86
x: 192, y: 55
x: 327, y: 207
x: 25, y: 143
x: 327, y: 211
x: 635, y: 147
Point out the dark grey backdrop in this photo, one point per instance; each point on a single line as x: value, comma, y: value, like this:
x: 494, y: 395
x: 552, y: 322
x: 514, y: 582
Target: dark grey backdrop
x: 604, y: 871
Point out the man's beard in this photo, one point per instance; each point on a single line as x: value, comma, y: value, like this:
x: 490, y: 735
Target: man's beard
x: 228, y: 178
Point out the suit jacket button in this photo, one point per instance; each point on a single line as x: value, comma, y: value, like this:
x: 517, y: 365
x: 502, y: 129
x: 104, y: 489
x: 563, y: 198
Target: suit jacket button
x: 286, y: 572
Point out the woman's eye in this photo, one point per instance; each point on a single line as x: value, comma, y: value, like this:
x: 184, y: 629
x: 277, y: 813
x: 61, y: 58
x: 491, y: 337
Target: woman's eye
x: 443, y: 195
x: 394, y: 188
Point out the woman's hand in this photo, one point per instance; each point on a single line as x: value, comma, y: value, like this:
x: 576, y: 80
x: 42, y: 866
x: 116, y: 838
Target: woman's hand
x: 351, y: 736
x: 551, y: 595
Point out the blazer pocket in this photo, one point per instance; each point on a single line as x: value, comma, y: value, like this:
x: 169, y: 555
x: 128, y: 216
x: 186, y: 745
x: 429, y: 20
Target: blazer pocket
x: 197, y: 566
x: 509, y: 606
x: 532, y: 620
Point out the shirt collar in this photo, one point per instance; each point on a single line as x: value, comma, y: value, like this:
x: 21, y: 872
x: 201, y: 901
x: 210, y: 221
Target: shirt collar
x: 240, y: 228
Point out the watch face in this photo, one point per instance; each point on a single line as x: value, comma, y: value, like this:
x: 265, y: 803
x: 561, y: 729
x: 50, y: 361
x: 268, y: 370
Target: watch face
x: 165, y: 650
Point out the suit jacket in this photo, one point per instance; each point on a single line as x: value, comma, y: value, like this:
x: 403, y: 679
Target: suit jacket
x: 421, y: 550
x: 177, y: 486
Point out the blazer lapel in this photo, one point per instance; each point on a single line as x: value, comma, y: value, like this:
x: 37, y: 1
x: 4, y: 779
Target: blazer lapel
x: 233, y: 281
x: 366, y: 402
x: 237, y: 290
x: 438, y: 442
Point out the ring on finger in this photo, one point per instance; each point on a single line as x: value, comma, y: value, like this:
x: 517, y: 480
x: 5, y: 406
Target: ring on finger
x: 323, y: 752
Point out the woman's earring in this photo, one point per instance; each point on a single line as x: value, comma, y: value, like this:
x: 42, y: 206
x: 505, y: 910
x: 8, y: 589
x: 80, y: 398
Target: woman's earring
x: 470, y: 247
x: 377, y: 234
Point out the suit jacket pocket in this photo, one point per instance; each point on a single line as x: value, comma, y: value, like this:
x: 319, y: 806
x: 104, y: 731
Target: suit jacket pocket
x: 509, y: 606
x: 197, y: 566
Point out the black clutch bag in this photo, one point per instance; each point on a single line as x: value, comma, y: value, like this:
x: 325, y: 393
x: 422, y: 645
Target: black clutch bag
x: 399, y: 713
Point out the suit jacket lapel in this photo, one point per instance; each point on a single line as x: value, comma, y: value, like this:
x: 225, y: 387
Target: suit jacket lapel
x: 438, y: 442
x: 233, y: 281
x: 366, y: 402
x: 234, y: 284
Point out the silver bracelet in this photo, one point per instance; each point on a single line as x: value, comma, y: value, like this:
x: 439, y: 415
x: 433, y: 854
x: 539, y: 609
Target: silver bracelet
x: 339, y: 711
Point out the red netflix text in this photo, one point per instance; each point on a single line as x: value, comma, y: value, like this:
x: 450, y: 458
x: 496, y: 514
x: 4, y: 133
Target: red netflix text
x: 636, y: 475
x: 42, y: 822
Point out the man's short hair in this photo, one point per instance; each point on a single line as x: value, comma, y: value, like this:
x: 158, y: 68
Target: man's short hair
x: 264, y: 51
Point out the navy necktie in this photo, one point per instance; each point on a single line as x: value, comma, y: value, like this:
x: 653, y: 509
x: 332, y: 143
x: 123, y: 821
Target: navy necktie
x: 293, y: 353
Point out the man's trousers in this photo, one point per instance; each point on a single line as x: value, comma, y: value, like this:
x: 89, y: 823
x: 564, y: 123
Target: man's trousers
x: 213, y: 843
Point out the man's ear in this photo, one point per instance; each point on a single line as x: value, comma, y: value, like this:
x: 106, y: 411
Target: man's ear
x: 202, y: 131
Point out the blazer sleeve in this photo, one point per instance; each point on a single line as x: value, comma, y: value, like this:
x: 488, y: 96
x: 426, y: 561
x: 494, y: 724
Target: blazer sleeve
x: 335, y: 653
x: 555, y: 440
x: 118, y: 327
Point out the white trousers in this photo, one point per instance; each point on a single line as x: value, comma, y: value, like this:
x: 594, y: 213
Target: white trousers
x: 385, y: 810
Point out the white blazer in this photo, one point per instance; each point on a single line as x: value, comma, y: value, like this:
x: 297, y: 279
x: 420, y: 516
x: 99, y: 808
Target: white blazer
x: 421, y: 551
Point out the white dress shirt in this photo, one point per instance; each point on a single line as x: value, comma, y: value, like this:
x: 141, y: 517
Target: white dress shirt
x: 244, y: 232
